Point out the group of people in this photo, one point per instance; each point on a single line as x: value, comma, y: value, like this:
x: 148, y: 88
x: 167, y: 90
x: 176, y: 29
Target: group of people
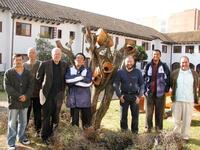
x: 42, y: 86
x: 156, y: 81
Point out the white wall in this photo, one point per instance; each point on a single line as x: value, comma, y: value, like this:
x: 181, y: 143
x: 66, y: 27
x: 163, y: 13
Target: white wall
x: 21, y: 43
x: 5, y: 39
x: 194, y: 57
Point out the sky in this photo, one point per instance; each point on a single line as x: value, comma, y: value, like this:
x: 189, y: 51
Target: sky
x: 131, y: 9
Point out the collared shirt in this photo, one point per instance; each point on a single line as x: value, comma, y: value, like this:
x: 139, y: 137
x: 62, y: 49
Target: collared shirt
x: 184, y: 91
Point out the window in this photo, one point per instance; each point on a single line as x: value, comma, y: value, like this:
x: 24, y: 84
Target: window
x: 47, y: 32
x: 177, y: 49
x: 23, y: 29
x: 72, y: 35
x: 0, y: 26
x: 153, y: 47
x: 0, y: 58
x: 116, y: 40
x: 59, y: 34
x: 145, y: 45
x: 199, y: 48
x: 143, y: 64
x: 164, y: 48
x: 189, y: 49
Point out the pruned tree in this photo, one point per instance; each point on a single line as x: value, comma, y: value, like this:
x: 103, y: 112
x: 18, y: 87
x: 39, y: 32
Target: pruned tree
x: 104, y: 65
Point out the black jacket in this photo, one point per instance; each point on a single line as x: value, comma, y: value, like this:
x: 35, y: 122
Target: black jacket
x: 16, y: 86
x: 45, y: 76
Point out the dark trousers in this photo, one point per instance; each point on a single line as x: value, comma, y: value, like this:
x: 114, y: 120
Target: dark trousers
x: 157, y: 103
x: 35, y: 103
x: 85, y: 116
x: 134, y: 113
x: 51, y: 111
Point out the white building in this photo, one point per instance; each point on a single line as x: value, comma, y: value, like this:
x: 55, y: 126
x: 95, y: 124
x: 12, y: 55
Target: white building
x: 22, y: 21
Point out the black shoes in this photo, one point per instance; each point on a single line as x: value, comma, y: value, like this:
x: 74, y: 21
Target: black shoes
x: 46, y: 141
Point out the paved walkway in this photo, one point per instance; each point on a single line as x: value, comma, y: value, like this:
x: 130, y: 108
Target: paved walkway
x: 3, y: 106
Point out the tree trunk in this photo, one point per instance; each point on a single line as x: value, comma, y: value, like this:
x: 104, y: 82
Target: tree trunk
x: 104, y: 105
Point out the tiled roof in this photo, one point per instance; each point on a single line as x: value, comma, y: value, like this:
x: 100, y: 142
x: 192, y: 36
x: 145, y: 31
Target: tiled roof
x: 185, y: 37
x: 52, y: 12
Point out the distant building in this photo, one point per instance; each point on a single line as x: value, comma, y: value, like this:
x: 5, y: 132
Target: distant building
x: 22, y: 21
x: 189, y: 20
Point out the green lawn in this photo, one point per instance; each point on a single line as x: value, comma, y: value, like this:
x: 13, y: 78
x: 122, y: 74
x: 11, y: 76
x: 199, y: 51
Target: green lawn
x: 3, y: 96
x: 111, y: 121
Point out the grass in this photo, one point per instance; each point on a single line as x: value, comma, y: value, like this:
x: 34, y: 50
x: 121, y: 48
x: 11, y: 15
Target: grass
x: 111, y: 121
x: 3, y: 96
x: 110, y: 132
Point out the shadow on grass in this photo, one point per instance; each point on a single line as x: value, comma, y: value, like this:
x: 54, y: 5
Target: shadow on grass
x: 195, y: 123
x: 195, y: 141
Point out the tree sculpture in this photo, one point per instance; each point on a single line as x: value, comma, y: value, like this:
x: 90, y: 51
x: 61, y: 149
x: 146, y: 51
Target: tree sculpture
x: 104, y: 65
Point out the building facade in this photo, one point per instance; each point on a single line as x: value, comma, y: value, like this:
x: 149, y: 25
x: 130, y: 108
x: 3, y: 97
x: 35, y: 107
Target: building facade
x: 24, y: 21
x: 189, y: 20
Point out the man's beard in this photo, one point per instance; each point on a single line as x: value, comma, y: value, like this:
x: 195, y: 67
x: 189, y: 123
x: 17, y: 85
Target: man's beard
x: 129, y: 67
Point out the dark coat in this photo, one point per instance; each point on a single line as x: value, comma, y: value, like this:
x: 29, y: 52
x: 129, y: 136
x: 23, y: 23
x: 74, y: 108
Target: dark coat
x: 16, y: 86
x: 162, y: 80
x: 45, y: 77
x: 79, y: 94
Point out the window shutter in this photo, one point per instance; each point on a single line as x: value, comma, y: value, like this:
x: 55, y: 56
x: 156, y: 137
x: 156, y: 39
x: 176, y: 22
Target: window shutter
x: 54, y: 32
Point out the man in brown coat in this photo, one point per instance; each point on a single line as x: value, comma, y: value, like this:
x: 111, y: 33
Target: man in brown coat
x: 184, y: 84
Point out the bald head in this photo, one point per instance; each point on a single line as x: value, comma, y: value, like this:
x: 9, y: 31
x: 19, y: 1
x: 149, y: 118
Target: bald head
x: 56, y: 55
x: 32, y: 54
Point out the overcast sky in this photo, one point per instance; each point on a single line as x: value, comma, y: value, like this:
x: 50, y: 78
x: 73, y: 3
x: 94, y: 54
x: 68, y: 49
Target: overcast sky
x: 131, y: 9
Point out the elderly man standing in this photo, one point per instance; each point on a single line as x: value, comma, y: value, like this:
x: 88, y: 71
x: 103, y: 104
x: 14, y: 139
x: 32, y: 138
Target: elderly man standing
x: 184, y: 84
x: 19, y: 86
x: 51, y: 78
x: 157, y: 83
x: 32, y: 65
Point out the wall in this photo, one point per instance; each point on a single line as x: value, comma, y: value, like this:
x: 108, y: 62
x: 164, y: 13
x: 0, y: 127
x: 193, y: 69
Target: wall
x: 194, y: 57
x: 5, y: 39
x: 177, y: 22
x: 21, y: 43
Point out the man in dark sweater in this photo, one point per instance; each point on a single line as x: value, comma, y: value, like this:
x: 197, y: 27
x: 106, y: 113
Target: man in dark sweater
x: 19, y: 86
x: 51, y: 79
x: 129, y: 87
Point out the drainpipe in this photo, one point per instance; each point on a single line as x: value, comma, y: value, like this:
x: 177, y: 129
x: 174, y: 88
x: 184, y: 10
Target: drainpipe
x: 12, y: 40
x: 171, y: 58
x: 83, y: 44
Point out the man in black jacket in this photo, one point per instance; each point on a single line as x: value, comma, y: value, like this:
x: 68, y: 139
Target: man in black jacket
x: 51, y: 79
x: 19, y: 86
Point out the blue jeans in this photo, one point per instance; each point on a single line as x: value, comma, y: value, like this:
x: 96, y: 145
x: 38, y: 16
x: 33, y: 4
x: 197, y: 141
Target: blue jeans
x: 134, y: 113
x: 17, y: 120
